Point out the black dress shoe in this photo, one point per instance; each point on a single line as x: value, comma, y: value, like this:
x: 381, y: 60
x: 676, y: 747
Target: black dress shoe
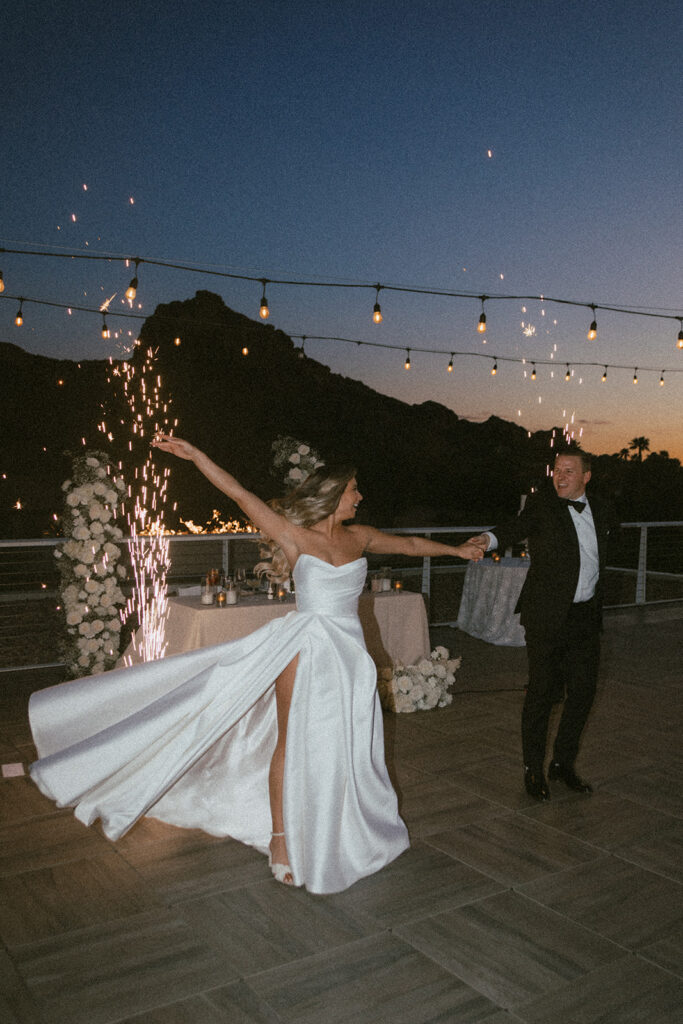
x: 535, y: 784
x: 569, y: 777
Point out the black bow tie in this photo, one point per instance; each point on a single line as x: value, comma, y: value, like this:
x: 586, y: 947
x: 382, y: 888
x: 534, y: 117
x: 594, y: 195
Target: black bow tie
x: 578, y: 505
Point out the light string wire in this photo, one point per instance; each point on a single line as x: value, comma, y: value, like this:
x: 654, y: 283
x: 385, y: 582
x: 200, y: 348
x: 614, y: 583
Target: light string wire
x: 452, y: 353
x: 292, y: 282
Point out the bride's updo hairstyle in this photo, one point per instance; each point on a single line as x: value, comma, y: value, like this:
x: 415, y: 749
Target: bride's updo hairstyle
x: 313, y: 500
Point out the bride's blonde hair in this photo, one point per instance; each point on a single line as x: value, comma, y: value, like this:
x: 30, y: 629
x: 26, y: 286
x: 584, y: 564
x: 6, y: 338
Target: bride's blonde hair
x: 313, y: 500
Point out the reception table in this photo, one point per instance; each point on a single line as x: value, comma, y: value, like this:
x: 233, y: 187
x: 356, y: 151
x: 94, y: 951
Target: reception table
x: 394, y: 624
x: 489, y: 596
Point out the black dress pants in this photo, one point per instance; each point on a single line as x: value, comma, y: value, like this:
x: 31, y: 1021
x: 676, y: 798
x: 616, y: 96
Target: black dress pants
x: 565, y: 661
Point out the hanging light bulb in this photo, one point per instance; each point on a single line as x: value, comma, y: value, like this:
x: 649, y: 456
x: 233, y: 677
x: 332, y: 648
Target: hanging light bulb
x: 245, y: 350
x: 264, y: 312
x: 568, y: 374
x: 407, y: 362
x: 679, y: 343
x: 593, y: 329
x: 19, y: 319
x: 494, y: 368
x: 661, y: 380
x: 376, y: 309
x: 635, y: 375
x: 132, y: 289
x: 302, y: 351
x: 105, y: 330
x: 481, y: 326
x: 604, y: 376
x: 177, y: 342
x: 533, y: 371
x: 2, y: 282
x: 450, y: 365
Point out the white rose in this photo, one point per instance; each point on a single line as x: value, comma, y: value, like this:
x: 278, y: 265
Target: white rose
x: 295, y: 458
x: 101, y: 473
x: 403, y: 684
x: 116, y: 532
x: 81, y: 570
x: 97, y: 626
x: 417, y: 693
x: 303, y: 449
x: 96, y: 528
x: 66, y: 485
x: 111, y: 496
x: 72, y: 499
x: 445, y: 700
x: 440, y: 671
x: 73, y: 618
x: 424, y: 667
x: 121, y: 571
x: 91, y: 461
x: 84, y: 660
x: 295, y: 474
x: 119, y: 484
x: 115, y: 625
x: 57, y: 553
x: 404, y: 704
x: 81, y: 533
x: 99, y: 487
x: 92, y: 586
x: 440, y: 652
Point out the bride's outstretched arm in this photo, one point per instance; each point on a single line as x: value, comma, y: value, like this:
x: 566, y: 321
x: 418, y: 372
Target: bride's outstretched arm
x: 261, y: 514
x: 376, y: 542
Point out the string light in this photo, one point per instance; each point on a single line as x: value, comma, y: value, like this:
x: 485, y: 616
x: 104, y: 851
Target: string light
x: 481, y: 326
x: 593, y: 329
x: 19, y: 319
x: 2, y: 282
x: 407, y: 362
x: 494, y: 368
x: 106, y: 333
x: 302, y: 351
x: 264, y: 312
x: 679, y: 343
x: 604, y: 376
x: 661, y: 380
x: 177, y: 342
x: 450, y: 365
x: 132, y: 289
x: 376, y: 309
x: 568, y: 374
x: 245, y: 350
x: 533, y: 371
x: 635, y: 375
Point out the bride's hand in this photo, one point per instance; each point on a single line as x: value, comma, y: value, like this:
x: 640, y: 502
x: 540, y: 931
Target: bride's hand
x: 471, y: 551
x: 175, y: 445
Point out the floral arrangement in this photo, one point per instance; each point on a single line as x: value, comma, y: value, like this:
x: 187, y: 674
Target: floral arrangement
x: 294, y: 460
x: 419, y: 687
x: 91, y: 596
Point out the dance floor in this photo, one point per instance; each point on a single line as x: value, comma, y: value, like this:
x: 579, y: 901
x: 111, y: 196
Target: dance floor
x: 503, y: 910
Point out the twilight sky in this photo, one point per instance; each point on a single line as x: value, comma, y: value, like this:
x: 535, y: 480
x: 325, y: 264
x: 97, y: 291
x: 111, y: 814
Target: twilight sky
x: 525, y: 148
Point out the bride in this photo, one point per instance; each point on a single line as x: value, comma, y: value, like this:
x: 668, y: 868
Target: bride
x: 275, y: 739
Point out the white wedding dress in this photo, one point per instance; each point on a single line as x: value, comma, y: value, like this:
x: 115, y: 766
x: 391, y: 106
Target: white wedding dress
x: 189, y: 739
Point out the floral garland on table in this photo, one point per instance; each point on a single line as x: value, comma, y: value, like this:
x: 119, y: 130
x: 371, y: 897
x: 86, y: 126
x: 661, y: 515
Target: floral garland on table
x: 91, y: 596
x: 419, y: 687
x: 294, y: 460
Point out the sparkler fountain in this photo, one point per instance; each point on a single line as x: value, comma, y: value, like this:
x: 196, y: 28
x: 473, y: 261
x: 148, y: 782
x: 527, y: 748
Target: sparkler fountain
x: 145, y: 504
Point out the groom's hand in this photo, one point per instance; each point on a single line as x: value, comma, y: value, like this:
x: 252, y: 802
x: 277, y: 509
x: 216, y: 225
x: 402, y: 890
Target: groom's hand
x: 481, y: 541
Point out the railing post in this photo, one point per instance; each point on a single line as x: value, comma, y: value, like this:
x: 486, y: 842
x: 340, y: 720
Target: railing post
x: 427, y: 578
x: 226, y: 556
x: 641, y: 578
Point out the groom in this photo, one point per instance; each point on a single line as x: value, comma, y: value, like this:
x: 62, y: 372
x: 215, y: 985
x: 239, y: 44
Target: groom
x: 560, y: 608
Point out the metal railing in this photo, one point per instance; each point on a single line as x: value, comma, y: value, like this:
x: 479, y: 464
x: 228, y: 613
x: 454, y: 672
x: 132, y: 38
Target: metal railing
x: 645, y: 569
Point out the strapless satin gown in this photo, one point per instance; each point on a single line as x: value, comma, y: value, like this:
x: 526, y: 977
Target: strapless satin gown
x: 189, y: 739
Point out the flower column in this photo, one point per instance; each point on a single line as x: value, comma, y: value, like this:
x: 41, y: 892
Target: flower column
x: 91, y: 595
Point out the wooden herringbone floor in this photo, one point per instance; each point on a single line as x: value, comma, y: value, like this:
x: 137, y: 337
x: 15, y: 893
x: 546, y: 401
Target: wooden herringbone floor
x: 503, y: 910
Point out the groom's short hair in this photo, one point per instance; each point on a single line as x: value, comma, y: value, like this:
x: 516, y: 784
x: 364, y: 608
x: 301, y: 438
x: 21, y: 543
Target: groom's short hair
x: 577, y: 453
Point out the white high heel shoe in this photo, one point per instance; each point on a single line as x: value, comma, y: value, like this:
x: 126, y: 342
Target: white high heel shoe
x: 280, y: 871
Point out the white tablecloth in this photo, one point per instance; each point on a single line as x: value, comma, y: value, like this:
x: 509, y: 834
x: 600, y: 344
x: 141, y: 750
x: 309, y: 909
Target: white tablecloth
x: 489, y: 596
x: 394, y: 625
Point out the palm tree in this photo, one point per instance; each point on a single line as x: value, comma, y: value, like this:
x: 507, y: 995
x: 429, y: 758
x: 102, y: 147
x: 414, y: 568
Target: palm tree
x: 623, y: 454
x: 639, y: 445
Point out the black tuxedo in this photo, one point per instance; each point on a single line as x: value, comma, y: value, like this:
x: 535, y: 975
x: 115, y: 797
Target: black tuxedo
x: 562, y: 637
